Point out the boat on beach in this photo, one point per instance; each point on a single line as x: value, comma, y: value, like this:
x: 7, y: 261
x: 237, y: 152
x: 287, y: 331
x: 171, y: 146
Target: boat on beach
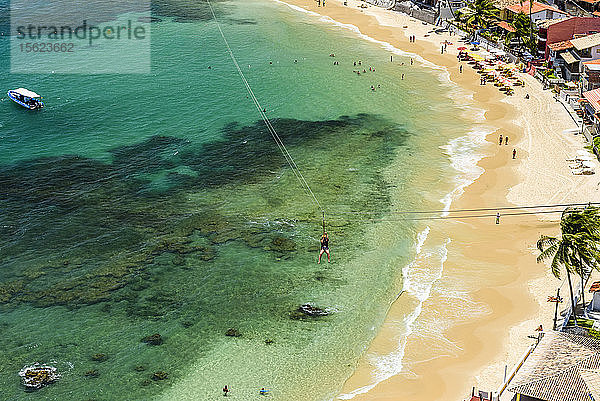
x: 26, y: 98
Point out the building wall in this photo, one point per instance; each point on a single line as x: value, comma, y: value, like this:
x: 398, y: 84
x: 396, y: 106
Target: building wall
x: 546, y: 14
x: 565, y: 30
x: 592, y: 53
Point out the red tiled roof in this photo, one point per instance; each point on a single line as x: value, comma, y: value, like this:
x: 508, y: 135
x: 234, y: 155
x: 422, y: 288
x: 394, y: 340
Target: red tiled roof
x: 535, y: 7
x: 560, y: 45
x: 507, y: 27
x: 588, y: 63
x: 591, y: 1
x: 593, y: 97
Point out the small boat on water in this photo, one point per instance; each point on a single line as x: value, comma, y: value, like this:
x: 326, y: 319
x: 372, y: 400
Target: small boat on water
x: 26, y: 98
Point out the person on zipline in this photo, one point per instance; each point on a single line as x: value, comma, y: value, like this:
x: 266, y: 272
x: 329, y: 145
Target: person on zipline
x: 324, y: 247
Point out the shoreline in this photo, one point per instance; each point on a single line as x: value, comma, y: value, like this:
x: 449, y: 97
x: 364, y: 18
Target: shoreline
x: 508, y: 301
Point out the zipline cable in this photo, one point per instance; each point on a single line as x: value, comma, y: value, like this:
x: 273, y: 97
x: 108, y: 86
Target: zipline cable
x: 467, y: 216
x: 266, y: 120
x: 424, y: 218
x: 469, y: 210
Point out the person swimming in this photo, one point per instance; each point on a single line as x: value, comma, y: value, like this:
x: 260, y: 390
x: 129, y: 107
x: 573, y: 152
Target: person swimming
x: 324, y: 247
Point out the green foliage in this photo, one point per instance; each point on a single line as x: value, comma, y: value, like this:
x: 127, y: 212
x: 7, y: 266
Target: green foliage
x: 479, y: 14
x: 578, y: 244
x: 577, y: 250
x: 523, y: 32
x: 586, y: 324
x: 549, y: 74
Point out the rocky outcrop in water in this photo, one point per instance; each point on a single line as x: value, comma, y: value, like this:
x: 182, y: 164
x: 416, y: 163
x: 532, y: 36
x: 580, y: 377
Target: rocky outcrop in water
x: 308, y: 311
x: 160, y: 375
x: 99, y: 357
x: 154, y: 339
x: 37, y: 376
x: 233, y: 333
x: 281, y: 245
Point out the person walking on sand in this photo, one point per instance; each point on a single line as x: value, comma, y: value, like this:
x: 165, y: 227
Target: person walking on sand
x: 460, y: 68
x: 324, y: 247
x: 497, y: 217
x: 225, y: 390
x: 500, y: 140
x: 514, y: 153
x: 506, y: 140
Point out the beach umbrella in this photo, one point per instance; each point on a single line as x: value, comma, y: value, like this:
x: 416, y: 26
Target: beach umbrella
x: 475, y: 43
x: 461, y: 48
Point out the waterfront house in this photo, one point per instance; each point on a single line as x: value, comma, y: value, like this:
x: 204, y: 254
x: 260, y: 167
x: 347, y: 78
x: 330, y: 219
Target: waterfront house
x: 570, y: 56
x: 556, y: 32
x: 562, y: 367
x: 538, y: 11
x: 591, y: 107
x: 590, y: 78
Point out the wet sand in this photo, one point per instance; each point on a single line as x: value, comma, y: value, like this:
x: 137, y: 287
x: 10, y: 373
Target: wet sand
x: 492, y: 293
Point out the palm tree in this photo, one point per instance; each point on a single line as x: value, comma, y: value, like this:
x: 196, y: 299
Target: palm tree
x: 522, y: 31
x: 581, y: 220
x: 577, y: 247
x: 480, y: 12
x: 585, y: 222
x: 559, y: 250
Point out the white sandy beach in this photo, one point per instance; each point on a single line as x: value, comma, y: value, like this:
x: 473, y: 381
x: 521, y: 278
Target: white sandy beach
x: 512, y: 300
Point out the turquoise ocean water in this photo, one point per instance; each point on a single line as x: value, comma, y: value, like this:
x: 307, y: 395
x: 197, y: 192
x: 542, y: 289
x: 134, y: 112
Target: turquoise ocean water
x: 158, y: 203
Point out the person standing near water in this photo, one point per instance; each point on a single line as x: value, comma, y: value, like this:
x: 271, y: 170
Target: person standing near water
x: 514, y: 153
x: 324, y: 247
x: 500, y: 140
x: 225, y: 390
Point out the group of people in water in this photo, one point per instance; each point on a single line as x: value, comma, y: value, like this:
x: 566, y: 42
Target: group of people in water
x: 262, y: 391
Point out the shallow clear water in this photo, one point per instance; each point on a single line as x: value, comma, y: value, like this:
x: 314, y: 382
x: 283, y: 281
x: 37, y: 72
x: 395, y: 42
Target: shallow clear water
x: 141, y: 204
